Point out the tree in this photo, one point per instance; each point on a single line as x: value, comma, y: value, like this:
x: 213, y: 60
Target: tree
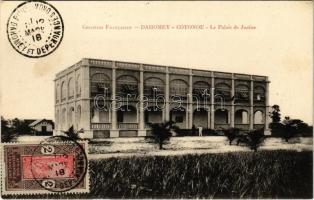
x: 231, y: 134
x: 72, y: 134
x: 275, y: 114
x: 162, y: 132
x: 6, y: 132
x: 21, y: 127
x: 294, y: 127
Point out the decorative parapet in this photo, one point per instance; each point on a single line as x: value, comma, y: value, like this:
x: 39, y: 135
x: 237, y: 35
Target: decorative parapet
x: 242, y: 76
x: 99, y: 63
x: 125, y: 65
x: 201, y: 73
x: 222, y: 75
x: 260, y: 78
x: 177, y: 70
x: 154, y: 68
x: 158, y: 68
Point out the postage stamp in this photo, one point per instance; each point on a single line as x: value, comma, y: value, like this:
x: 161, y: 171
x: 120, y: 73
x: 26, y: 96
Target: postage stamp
x: 35, y: 29
x: 54, y: 165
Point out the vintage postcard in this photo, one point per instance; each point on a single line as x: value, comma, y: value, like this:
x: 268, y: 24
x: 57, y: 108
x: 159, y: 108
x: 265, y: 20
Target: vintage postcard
x: 156, y: 99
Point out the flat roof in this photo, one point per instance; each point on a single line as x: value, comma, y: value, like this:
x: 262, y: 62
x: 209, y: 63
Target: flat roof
x: 108, y: 64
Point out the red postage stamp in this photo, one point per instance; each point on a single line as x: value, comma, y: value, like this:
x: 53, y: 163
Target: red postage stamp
x: 47, y: 167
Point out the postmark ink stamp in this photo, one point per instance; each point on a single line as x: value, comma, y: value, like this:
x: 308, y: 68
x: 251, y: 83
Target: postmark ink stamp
x: 35, y: 29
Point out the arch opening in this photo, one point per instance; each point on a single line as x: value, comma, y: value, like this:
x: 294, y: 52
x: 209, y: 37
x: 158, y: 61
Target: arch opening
x: 221, y: 116
x: 241, y: 117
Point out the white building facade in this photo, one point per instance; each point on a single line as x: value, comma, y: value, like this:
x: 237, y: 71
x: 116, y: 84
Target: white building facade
x: 106, y: 98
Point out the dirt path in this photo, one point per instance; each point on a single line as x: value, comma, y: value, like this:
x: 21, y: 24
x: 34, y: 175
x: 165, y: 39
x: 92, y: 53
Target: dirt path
x: 125, y: 147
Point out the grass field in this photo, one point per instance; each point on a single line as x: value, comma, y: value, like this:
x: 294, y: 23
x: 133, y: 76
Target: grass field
x: 264, y: 174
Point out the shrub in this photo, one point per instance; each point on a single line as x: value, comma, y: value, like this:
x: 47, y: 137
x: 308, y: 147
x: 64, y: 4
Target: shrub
x: 277, y: 129
x: 307, y: 132
x: 185, y: 132
x: 72, y: 134
x: 231, y: 134
x: 194, y: 132
x: 291, y: 128
x: 255, y: 139
x: 161, y: 132
x: 209, y: 132
x: 275, y: 113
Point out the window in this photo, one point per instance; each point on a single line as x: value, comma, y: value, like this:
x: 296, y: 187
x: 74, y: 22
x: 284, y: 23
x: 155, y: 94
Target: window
x: 78, y: 85
x: 57, y: 118
x: 241, y: 117
x: 242, y: 93
x: 153, y: 87
x: 63, y: 119
x: 201, y: 89
x: 71, y: 116
x: 258, y: 97
x: 179, y: 119
x: 146, y: 117
x: 71, y: 88
x: 221, y: 116
x: 178, y: 88
x: 259, y: 93
x: 63, y: 91
x: 127, y: 85
x: 120, y: 116
x: 57, y: 93
x: 78, y: 116
x: 100, y: 85
x: 223, y: 90
x: 258, y: 117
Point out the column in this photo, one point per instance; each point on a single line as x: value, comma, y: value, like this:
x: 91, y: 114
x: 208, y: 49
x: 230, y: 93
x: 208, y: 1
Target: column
x: 141, y: 131
x: 85, y: 101
x: 67, y: 125
x: 167, y: 108
x: 267, y: 131
x: 187, y: 116
x: 56, y: 107
x: 190, y: 100
x: 208, y: 118
x: 251, y: 105
x: 212, y: 102
x: 232, y: 102
x: 114, y: 132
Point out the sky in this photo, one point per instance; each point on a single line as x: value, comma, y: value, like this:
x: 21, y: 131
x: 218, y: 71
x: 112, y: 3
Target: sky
x: 280, y: 46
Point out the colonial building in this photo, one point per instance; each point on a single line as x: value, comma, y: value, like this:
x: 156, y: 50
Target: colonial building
x: 118, y: 99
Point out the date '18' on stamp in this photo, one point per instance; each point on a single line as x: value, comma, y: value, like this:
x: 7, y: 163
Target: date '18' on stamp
x: 35, y: 29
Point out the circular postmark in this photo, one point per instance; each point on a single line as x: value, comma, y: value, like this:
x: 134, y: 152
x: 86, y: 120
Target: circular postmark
x: 59, y: 164
x: 35, y: 29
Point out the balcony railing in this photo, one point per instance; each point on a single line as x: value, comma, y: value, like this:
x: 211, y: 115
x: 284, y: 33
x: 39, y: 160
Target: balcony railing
x: 147, y: 126
x: 101, y: 126
x: 128, y: 125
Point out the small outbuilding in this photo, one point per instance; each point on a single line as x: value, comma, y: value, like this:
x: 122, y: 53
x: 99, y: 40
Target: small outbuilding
x: 42, y: 127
